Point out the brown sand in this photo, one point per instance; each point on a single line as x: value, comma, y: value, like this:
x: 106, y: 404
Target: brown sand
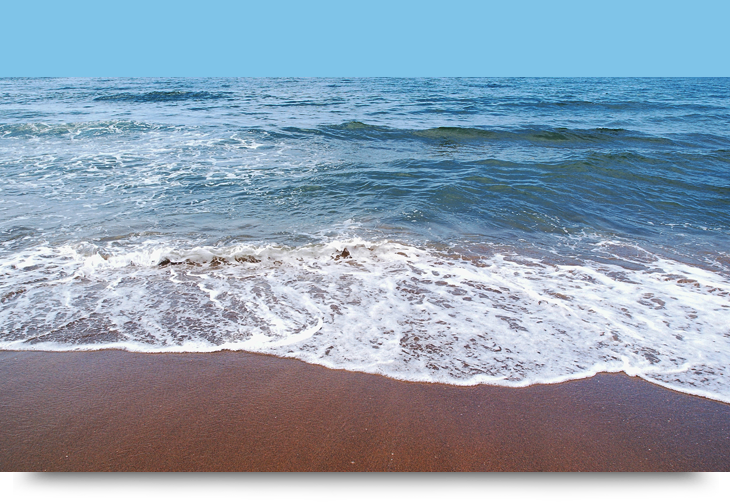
x: 119, y: 411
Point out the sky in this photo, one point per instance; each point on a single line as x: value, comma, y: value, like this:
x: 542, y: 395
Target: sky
x: 226, y: 38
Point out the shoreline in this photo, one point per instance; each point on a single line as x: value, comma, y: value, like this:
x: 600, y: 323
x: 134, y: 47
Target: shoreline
x: 697, y: 394
x: 112, y: 410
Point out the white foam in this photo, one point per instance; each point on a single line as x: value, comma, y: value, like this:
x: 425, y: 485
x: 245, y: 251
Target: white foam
x: 406, y: 312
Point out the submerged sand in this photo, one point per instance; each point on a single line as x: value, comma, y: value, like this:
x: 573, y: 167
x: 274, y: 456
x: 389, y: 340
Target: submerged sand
x: 234, y: 411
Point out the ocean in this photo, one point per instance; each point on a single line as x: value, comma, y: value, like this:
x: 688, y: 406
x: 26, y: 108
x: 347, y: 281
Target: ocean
x: 462, y: 231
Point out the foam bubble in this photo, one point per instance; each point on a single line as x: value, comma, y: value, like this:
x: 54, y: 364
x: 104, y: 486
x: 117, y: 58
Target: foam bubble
x: 414, y: 313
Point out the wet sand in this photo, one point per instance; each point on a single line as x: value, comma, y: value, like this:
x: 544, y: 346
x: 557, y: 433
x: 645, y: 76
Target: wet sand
x: 231, y: 411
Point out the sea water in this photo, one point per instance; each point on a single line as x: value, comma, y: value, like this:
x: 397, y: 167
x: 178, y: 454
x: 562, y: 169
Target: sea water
x: 463, y: 231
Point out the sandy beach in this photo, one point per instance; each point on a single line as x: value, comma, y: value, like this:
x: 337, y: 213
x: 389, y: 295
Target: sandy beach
x: 233, y: 411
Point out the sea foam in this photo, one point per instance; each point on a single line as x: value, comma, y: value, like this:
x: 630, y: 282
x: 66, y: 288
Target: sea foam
x: 409, y: 312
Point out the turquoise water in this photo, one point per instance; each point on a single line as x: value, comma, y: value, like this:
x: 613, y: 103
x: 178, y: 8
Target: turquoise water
x: 504, y: 231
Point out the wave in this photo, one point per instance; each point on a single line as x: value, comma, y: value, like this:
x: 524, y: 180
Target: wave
x: 361, y: 131
x: 538, y: 135
x: 79, y: 129
x: 548, y: 136
x: 491, y: 315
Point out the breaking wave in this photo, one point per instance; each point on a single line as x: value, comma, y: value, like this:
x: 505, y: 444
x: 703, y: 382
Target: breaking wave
x: 407, y: 312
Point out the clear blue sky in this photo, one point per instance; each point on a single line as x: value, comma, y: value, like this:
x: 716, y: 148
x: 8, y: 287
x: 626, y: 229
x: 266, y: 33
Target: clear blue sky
x: 364, y: 38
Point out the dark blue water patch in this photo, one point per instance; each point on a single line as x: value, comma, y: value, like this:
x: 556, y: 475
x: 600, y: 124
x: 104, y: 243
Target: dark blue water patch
x: 582, y: 106
x: 702, y: 140
x: 284, y: 103
x: 164, y: 96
